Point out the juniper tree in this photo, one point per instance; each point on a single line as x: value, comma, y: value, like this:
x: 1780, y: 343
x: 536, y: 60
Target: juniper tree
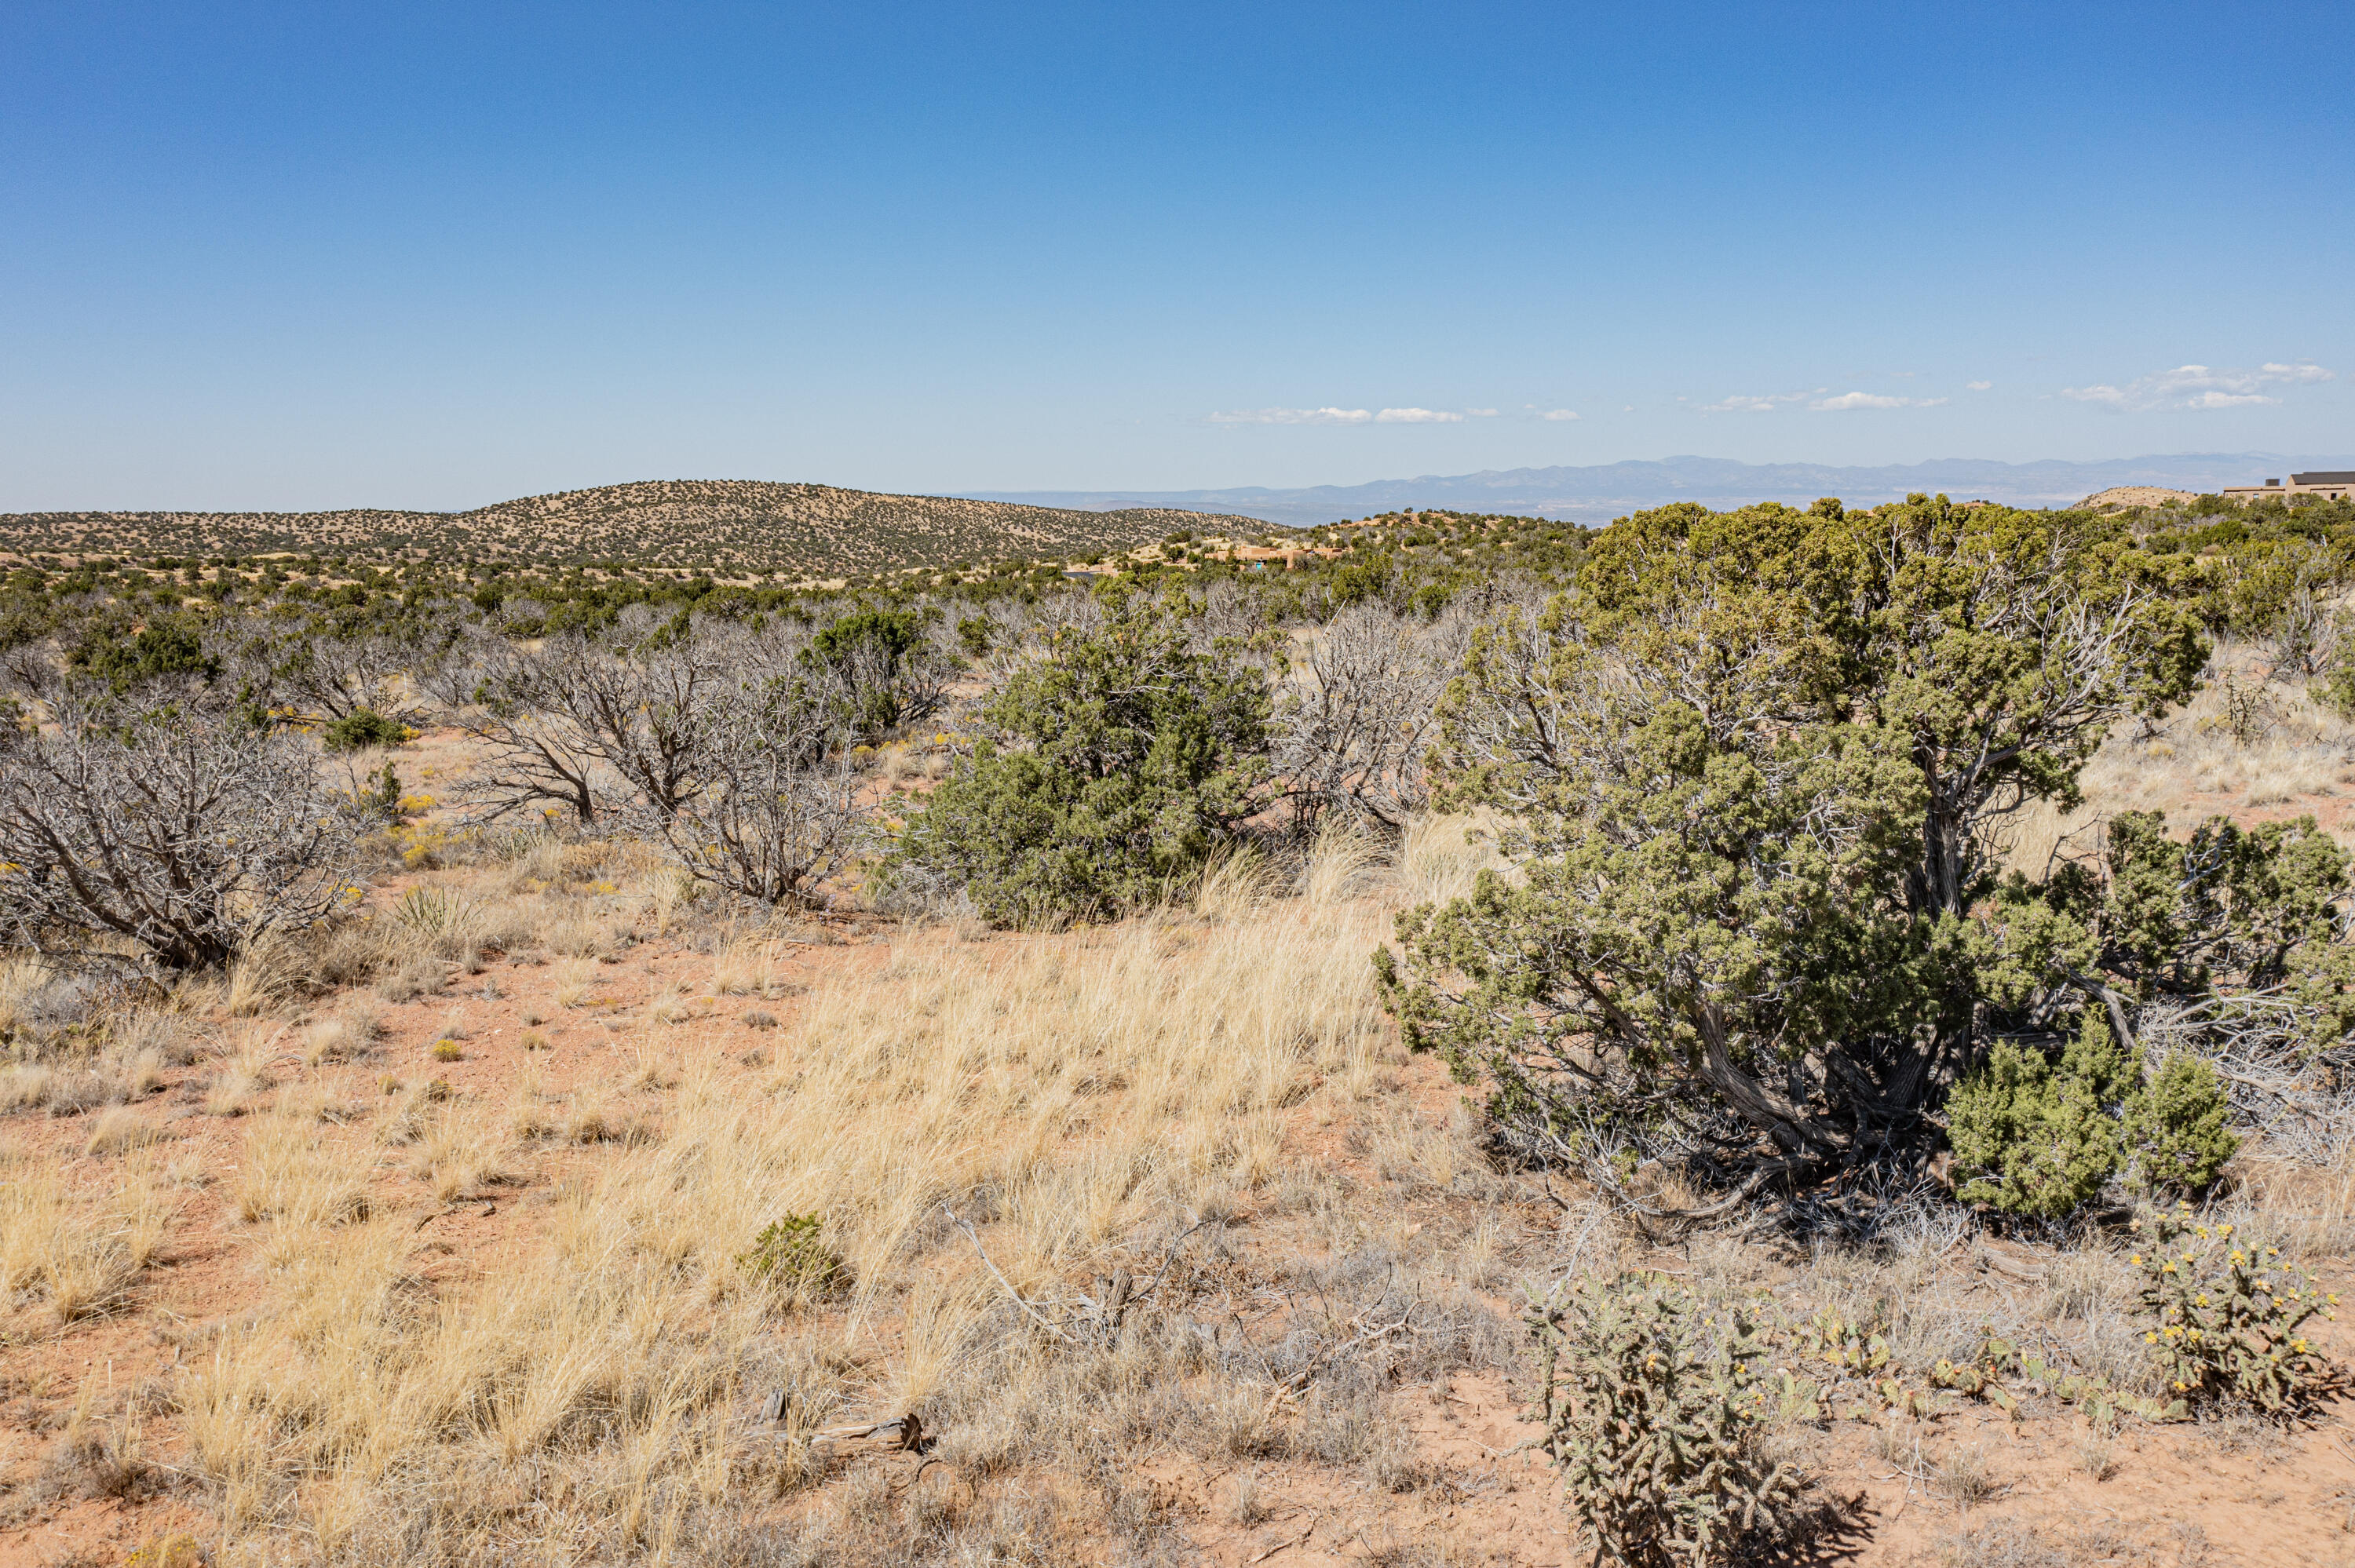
x: 1107, y: 769
x: 1757, y: 769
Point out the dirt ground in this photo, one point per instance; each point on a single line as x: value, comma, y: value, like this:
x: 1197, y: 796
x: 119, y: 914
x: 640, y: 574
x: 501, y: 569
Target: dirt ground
x: 576, y: 1061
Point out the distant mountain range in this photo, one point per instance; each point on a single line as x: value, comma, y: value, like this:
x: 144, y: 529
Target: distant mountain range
x: 1610, y: 489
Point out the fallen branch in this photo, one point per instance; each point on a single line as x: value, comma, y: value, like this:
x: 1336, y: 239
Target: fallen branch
x: 1300, y: 1379
x: 1018, y: 1298
x: 906, y: 1432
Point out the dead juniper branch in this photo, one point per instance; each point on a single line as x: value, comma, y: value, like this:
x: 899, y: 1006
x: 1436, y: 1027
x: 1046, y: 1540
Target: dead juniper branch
x: 1358, y: 714
x: 640, y: 711
x: 328, y: 676
x: 770, y: 806
x: 1082, y: 1316
x: 184, y: 832
x: 536, y: 757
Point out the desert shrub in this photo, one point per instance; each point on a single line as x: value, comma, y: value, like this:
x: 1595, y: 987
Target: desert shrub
x: 537, y: 756
x: 2226, y: 1316
x: 770, y: 805
x: 166, y: 645
x: 1757, y: 769
x: 182, y: 832
x: 791, y: 1256
x: 2175, y: 1136
x: 1357, y: 717
x: 2037, y: 1138
x: 2334, y: 684
x: 362, y: 728
x: 2041, y: 1138
x: 1653, y: 1411
x: 1111, y: 768
x: 336, y: 676
x: 2279, y: 591
x: 879, y: 670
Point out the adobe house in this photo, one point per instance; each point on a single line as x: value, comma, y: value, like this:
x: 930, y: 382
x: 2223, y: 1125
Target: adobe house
x: 2328, y: 485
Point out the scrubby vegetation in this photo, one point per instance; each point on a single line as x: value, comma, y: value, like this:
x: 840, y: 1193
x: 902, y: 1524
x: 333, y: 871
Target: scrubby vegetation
x: 1802, y: 943
x: 1655, y: 1413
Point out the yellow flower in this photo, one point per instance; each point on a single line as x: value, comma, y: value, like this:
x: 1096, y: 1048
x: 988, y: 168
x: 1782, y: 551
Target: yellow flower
x: 2167, y: 1268
x: 2298, y: 1345
x: 2151, y: 1339
x: 2135, y: 1259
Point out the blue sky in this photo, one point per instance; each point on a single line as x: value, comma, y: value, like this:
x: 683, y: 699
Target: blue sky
x: 330, y: 254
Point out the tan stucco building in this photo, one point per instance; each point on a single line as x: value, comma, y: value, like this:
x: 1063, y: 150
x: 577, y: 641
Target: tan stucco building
x: 2331, y: 484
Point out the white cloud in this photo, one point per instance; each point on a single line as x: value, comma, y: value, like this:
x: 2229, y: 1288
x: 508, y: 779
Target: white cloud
x: 1293, y: 417
x: 1739, y: 404
x: 1979, y: 385
x: 1481, y: 413
x: 2197, y: 387
x: 1559, y: 414
x: 1847, y: 400
x: 1417, y: 416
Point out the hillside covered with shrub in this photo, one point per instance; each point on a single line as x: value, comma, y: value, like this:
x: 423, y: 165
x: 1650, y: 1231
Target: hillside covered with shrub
x: 722, y: 525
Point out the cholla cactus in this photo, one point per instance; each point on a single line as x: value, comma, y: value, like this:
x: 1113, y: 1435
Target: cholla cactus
x: 1653, y: 1409
x: 2226, y: 1317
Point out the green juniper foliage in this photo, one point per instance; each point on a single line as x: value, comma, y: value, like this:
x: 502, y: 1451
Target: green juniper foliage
x: 2175, y: 1136
x: 1108, y: 769
x: 791, y: 1256
x: 2040, y: 1138
x: 361, y: 728
x: 1756, y: 769
x: 2036, y: 1139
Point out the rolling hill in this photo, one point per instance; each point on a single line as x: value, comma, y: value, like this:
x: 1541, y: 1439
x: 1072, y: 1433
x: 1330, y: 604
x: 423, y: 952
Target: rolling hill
x: 725, y: 524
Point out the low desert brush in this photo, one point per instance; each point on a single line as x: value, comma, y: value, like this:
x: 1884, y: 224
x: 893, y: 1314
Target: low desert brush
x: 790, y: 1254
x: 2227, y: 1316
x: 1654, y: 1412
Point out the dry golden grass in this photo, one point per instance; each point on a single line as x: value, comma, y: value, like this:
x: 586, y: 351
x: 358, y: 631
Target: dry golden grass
x: 249, y: 1068
x: 344, y: 1037
x: 291, y: 1175
x: 81, y: 1250
x: 746, y: 965
x: 1067, y: 1092
x: 1440, y: 858
x: 2293, y: 753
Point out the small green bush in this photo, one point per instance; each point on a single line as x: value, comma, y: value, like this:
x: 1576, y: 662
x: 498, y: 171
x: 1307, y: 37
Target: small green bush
x: 2037, y: 1139
x: 167, y: 645
x: 361, y: 728
x: 1110, y: 770
x: 791, y: 1256
x: 2040, y: 1140
x: 2227, y: 1317
x: 2174, y: 1127
x: 1654, y: 1411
